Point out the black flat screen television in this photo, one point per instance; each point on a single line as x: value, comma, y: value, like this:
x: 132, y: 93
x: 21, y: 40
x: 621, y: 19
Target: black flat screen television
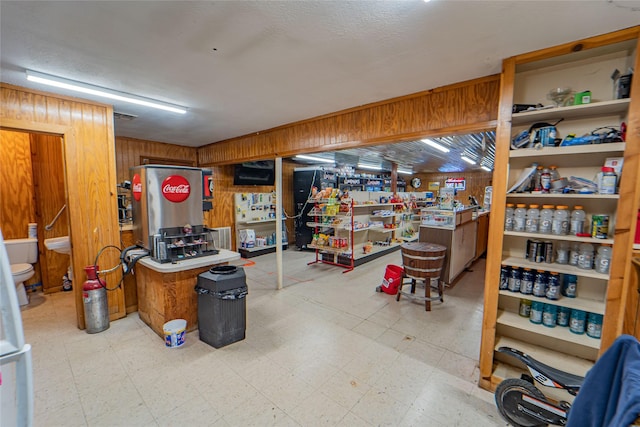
x: 254, y: 173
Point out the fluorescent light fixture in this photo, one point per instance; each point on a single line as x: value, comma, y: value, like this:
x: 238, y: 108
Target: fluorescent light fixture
x: 468, y: 160
x: 488, y: 169
x: 371, y: 167
x: 46, y: 79
x: 406, y: 172
x: 314, y: 159
x: 436, y: 145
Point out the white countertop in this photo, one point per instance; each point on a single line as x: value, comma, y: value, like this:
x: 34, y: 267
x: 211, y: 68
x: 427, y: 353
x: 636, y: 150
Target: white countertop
x: 189, y: 264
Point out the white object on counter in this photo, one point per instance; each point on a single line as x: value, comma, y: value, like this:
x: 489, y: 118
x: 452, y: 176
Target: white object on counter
x: 191, y: 263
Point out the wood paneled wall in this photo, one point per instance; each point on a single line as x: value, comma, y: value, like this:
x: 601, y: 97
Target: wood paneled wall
x: 454, y: 109
x: 48, y: 181
x: 223, y: 215
x: 130, y: 151
x: 476, y: 182
x: 90, y: 169
x: 17, y: 207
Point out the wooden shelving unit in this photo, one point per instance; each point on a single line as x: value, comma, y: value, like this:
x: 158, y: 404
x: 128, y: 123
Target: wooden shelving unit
x: 526, y: 79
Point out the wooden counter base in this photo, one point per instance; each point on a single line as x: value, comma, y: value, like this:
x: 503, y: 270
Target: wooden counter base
x: 167, y: 296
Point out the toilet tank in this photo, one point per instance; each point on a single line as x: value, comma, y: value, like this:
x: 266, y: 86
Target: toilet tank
x: 22, y: 250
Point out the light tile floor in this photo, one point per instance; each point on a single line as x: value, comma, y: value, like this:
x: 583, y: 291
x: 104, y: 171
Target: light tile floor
x: 326, y: 350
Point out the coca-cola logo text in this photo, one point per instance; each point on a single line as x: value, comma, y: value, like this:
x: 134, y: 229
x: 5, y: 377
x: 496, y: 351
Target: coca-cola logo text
x: 176, y: 188
x: 136, y: 187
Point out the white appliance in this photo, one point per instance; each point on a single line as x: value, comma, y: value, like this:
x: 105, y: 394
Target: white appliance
x: 16, y: 388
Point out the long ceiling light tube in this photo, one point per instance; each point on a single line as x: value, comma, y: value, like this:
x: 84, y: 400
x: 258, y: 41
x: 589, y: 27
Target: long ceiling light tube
x: 60, y: 82
x: 488, y: 169
x: 468, y: 160
x: 371, y: 167
x: 313, y: 158
x: 435, y: 145
x: 406, y: 172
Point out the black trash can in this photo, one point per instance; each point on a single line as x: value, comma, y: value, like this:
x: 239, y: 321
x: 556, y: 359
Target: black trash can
x: 222, y: 306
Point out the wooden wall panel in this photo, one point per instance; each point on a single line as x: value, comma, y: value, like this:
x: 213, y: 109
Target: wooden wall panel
x: 476, y: 182
x: 129, y: 151
x: 17, y: 207
x: 48, y: 180
x: 223, y: 214
x: 444, y: 111
x: 90, y: 174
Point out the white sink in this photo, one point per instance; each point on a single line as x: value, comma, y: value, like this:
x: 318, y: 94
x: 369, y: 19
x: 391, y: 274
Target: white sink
x: 62, y: 245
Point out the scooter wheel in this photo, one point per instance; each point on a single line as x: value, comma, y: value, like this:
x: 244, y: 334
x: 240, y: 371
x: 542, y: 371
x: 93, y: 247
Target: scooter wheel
x: 509, y: 397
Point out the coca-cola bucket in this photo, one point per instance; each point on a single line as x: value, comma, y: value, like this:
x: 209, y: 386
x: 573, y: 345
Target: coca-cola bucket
x: 392, y: 278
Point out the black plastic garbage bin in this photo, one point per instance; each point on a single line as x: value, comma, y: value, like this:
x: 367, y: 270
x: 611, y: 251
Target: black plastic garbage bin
x: 222, y: 307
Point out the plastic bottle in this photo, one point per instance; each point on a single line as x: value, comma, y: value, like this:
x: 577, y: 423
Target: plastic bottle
x: 537, y: 187
x: 570, y: 285
x: 574, y: 253
x: 531, y: 185
x: 549, y: 315
x: 520, y: 217
x: 508, y: 217
x: 536, y: 312
x: 560, y: 224
x: 578, y: 217
x: 585, y: 259
x: 603, y: 259
x: 608, y: 181
x: 577, y: 321
x: 555, y: 175
x: 545, y: 180
x: 553, y: 286
x: 546, y: 219
x: 594, y: 325
x: 563, y: 316
x: 533, y: 213
x: 526, y: 283
x: 562, y: 253
x: 540, y: 284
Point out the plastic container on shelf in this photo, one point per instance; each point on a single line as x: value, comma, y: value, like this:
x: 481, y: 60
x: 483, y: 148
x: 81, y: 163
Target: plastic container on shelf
x: 508, y: 217
x: 540, y: 284
x: 549, y: 315
x: 515, y: 279
x: 578, y: 217
x: 536, y: 312
x: 526, y: 283
x: 574, y: 253
x: 608, y: 181
x: 560, y: 223
x: 520, y: 217
x: 585, y: 259
x: 577, y: 321
x: 545, y: 180
x: 525, y: 308
x: 536, y: 179
x: 533, y: 214
x: 553, y: 286
x: 555, y: 175
x: 570, y: 285
x: 603, y: 259
x: 505, y: 273
x: 546, y: 219
x: 562, y: 253
x: 594, y: 325
x: 563, y: 316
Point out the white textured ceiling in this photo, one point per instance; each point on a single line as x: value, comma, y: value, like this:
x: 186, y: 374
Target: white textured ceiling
x: 241, y: 67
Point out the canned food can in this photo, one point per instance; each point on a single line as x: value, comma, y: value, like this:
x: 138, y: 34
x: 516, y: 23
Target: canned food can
x: 600, y: 226
x: 548, y: 252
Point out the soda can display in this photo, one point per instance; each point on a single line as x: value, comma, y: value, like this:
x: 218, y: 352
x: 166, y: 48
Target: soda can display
x: 539, y: 252
x: 532, y: 249
x: 600, y: 226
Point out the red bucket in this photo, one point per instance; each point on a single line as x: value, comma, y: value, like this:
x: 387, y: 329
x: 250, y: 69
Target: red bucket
x: 392, y: 278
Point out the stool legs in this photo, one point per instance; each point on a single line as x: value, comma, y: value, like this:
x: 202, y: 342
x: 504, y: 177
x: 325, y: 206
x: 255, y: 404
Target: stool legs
x: 434, y: 282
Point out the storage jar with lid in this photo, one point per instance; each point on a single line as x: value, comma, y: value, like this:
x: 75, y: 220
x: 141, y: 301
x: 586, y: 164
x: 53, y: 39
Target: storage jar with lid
x: 531, y: 225
x: 549, y: 315
x: 585, y: 258
x: 546, y: 219
x: 520, y: 217
x: 562, y: 253
x: 560, y: 224
x: 574, y: 253
x: 608, y: 181
x: 545, y: 180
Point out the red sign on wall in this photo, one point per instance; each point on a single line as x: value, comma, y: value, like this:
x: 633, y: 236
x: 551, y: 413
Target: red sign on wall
x: 136, y: 187
x: 176, y: 188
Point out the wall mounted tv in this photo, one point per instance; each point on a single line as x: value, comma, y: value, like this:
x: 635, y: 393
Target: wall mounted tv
x: 254, y: 173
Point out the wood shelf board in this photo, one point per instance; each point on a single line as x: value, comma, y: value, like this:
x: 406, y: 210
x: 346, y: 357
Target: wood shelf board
x: 569, y: 238
x: 560, y: 268
x: 614, y: 107
x: 588, y: 305
x: 563, y: 196
x: 560, y: 333
x: 562, y: 361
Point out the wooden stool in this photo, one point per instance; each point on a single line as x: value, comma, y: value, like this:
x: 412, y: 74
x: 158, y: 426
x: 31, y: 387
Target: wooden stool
x: 423, y: 261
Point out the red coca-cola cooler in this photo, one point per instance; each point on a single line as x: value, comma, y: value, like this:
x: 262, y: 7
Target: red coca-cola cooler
x: 167, y: 212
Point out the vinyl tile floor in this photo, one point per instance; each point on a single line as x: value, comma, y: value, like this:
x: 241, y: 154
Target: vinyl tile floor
x: 326, y: 350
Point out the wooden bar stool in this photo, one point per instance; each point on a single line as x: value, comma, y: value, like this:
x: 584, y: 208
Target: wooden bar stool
x: 422, y: 261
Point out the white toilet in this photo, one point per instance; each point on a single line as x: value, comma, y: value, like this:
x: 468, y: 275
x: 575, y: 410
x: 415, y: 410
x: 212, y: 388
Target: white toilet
x: 22, y: 254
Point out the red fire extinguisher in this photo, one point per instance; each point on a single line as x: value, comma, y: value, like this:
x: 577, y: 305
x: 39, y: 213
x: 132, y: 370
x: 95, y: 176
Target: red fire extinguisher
x: 96, y: 307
